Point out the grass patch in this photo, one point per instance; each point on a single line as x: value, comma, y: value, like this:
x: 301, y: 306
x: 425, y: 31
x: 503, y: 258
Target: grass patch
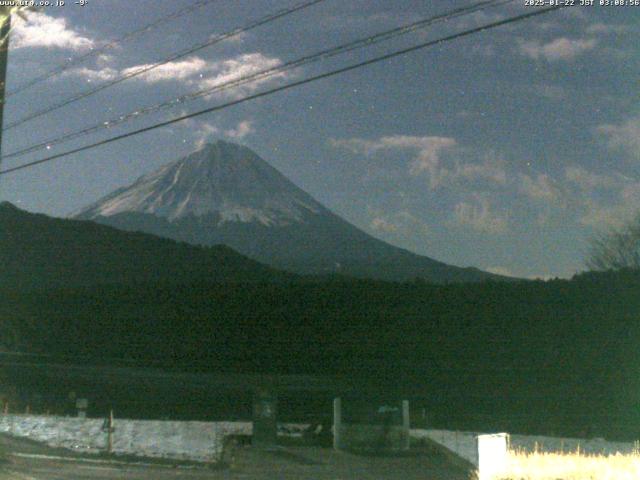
x: 570, y: 466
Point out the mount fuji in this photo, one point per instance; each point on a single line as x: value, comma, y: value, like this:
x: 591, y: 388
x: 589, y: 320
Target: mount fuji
x: 225, y: 193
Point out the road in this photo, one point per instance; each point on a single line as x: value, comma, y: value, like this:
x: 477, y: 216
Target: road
x: 54, y: 469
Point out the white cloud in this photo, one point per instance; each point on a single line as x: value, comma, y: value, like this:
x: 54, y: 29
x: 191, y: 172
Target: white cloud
x: 507, y: 272
x: 550, y: 92
x: 355, y: 145
x: 477, y: 19
x: 540, y: 187
x: 40, y: 30
x: 615, y: 214
x: 104, y: 60
x: 364, y: 20
x: 427, y: 160
x: 624, y: 136
x: 383, y: 225
x: 401, y: 223
x: 588, y: 181
x: 369, y: 147
x: 599, y: 200
x: 480, y: 217
x: 492, y: 169
x: 90, y: 75
x: 484, y: 50
x: 236, y: 68
x: 604, y: 217
x: 546, y: 26
x: 562, y: 48
x: 181, y: 70
x: 243, y: 129
x: 631, y: 194
x: 196, y: 72
x: 498, y: 270
x: 204, y: 133
x: 237, y: 39
x: 608, y: 28
x: 576, y: 14
x: 412, y: 223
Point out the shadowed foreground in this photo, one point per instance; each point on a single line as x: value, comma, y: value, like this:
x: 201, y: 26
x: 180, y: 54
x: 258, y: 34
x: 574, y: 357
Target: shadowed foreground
x: 26, y: 460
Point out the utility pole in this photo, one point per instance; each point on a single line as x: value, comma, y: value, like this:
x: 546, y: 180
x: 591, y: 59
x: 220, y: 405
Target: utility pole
x: 5, y: 32
x: 5, y: 29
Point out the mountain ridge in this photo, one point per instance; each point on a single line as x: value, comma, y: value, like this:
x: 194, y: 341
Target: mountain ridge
x: 37, y: 251
x: 226, y: 194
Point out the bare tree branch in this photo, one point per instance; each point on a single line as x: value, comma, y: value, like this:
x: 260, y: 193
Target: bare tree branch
x: 616, y: 250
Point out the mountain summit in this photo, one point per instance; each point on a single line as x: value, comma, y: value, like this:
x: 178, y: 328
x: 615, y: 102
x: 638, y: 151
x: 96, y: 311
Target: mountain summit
x: 226, y: 194
x: 222, y: 179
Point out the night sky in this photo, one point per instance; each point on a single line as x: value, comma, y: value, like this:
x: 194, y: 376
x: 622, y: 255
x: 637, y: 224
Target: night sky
x: 506, y: 150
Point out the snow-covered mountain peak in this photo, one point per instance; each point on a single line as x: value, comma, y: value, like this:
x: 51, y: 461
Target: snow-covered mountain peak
x: 221, y: 178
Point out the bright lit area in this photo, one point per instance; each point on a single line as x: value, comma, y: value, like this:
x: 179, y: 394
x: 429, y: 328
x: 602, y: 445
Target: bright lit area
x: 570, y: 466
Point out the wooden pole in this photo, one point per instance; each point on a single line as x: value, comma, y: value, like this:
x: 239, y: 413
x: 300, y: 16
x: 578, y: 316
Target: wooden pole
x: 110, y: 435
x: 337, y: 423
x: 5, y: 16
x: 406, y: 425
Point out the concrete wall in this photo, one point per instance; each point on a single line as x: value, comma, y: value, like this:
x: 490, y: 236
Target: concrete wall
x: 373, y: 437
x: 370, y: 436
x: 196, y: 441
x: 462, y: 444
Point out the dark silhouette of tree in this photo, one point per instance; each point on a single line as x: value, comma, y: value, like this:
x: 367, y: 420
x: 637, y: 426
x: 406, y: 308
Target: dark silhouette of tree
x: 618, y: 249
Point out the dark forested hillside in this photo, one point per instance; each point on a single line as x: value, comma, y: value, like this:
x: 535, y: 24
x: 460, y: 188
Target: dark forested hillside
x: 531, y: 356
x: 37, y: 251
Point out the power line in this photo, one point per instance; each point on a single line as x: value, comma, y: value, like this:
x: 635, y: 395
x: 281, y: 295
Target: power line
x: 263, y: 74
x: 93, y: 53
x: 147, y: 68
x: 290, y: 85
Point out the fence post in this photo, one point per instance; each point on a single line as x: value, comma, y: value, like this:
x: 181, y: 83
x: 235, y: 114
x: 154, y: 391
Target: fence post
x: 337, y: 422
x: 110, y: 437
x: 108, y: 427
x: 406, y: 425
